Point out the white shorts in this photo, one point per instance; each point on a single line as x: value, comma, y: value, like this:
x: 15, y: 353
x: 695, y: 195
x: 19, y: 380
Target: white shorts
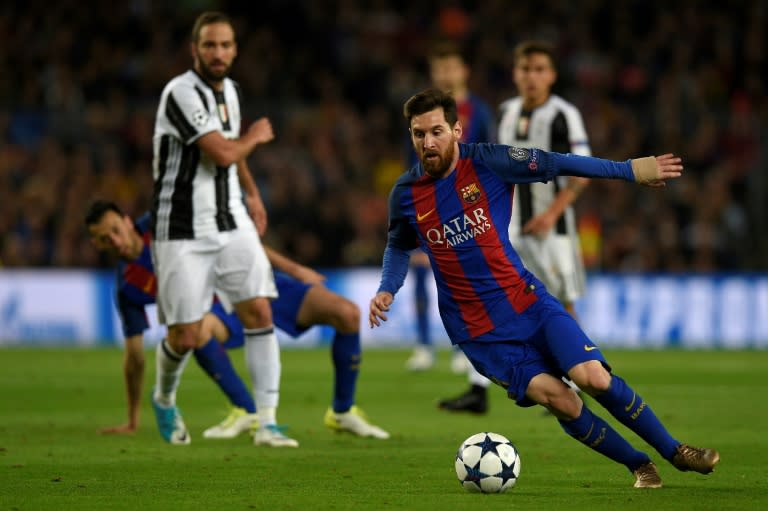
x: 556, y: 261
x: 232, y: 264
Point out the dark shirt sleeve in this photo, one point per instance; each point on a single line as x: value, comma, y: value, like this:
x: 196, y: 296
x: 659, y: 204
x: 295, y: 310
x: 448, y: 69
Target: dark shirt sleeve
x: 132, y: 316
x: 520, y: 165
x: 401, y: 239
x: 394, y: 269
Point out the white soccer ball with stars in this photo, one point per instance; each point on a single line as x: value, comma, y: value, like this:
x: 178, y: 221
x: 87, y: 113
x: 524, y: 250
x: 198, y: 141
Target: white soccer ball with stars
x: 487, y: 462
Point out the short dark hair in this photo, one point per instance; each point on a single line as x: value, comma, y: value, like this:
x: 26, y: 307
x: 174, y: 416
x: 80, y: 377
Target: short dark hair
x: 208, y: 18
x: 529, y: 47
x: 429, y: 99
x: 98, y: 209
x: 446, y: 48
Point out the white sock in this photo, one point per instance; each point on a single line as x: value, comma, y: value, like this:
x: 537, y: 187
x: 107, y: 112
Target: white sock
x: 476, y: 378
x: 262, y: 356
x: 169, y: 366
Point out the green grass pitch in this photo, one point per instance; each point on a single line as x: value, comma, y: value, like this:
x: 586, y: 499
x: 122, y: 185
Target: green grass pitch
x: 54, y: 400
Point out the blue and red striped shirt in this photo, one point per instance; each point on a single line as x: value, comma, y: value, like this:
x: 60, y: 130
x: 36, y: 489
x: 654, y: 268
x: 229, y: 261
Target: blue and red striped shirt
x: 136, y: 284
x: 461, y: 222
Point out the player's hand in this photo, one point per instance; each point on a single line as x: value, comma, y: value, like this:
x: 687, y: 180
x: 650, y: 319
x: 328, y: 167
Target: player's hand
x: 261, y: 131
x: 540, y: 225
x: 308, y: 275
x: 258, y: 212
x: 123, y: 429
x: 655, y: 171
x: 379, y: 306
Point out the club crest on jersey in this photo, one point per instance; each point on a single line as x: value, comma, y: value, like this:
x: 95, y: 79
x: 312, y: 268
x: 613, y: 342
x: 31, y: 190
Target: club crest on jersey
x: 519, y: 153
x: 200, y: 117
x: 470, y: 193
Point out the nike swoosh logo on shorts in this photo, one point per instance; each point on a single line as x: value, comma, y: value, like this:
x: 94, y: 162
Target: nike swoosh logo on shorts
x: 590, y: 348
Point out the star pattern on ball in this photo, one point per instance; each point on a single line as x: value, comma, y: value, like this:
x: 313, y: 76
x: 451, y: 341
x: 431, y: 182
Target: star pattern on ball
x: 473, y: 472
x: 488, y: 445
x: 507, y: 472
x: 488, y: 463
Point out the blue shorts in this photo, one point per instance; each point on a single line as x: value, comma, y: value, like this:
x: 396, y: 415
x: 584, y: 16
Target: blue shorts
x: 557, y: 346
x: 285, y: 310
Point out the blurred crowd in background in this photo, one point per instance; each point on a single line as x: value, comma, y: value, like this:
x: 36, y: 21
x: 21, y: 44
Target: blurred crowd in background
x: 81, y: 82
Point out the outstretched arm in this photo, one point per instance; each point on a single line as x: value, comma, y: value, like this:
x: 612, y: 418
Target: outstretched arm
x: 650, y: 171
x: 133, y: 374
x: 520, y: 165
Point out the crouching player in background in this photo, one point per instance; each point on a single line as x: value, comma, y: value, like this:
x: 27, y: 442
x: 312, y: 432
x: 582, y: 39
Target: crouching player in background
x: 302, y: 303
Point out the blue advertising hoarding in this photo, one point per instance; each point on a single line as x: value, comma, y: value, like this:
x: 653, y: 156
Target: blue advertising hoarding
x: 619, y: 310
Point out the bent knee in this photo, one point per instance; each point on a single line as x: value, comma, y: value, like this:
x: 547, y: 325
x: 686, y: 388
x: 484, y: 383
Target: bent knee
x: 565, y: 405
x: 254, y: 313
x: 591, y: 377
x: 555, y: 396
x: 349, y: 317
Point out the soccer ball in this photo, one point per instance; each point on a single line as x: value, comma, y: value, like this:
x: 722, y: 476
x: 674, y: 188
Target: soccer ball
x: 488, y: 463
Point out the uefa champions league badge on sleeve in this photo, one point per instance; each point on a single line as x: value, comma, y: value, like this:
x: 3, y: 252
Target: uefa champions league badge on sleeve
x: 519, y: 153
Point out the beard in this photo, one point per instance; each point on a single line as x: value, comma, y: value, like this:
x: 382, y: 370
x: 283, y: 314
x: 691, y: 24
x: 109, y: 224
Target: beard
x: 438, y: 167
x: 213, y: 75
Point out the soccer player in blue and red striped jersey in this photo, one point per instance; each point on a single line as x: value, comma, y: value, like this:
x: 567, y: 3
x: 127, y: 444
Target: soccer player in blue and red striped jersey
x: 303, y: 302
x: 449, y: 72
x: 114, y: 233
x: 455, y: 204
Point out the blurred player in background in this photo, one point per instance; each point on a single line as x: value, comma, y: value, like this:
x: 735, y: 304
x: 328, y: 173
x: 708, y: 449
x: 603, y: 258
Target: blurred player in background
x: 543, y: 226
x: 449, y: 71
x: 303, y: 302
x: 204, y: 238
x: 456, y: 204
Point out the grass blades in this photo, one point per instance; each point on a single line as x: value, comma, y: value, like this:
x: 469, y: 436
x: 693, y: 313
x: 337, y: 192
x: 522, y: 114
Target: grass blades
x: 53, y: 401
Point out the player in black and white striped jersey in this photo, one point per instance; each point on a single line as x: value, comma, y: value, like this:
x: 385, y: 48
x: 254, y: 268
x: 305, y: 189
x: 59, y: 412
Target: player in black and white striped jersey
x: 543, y: 226
x: 204, y: 237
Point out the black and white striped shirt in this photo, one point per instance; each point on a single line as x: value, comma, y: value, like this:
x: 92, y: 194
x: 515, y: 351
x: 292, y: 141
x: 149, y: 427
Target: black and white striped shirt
x: 193, y: 197
x: 554, y: 126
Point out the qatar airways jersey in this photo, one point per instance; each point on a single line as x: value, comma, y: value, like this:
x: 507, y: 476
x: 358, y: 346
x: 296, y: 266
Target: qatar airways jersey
x: 461, y: 222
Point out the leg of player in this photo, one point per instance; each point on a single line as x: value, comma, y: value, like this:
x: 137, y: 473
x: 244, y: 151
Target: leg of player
x: 578, y: 421
x: 172, y: 356
x: 423, y: 356
x: 321, y: 306
x: 459, y: 362
x: 214, y: 360
x: 474, y: 400
x: 616, y: 396
x: 262, y: 355
x: 589, y: 370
